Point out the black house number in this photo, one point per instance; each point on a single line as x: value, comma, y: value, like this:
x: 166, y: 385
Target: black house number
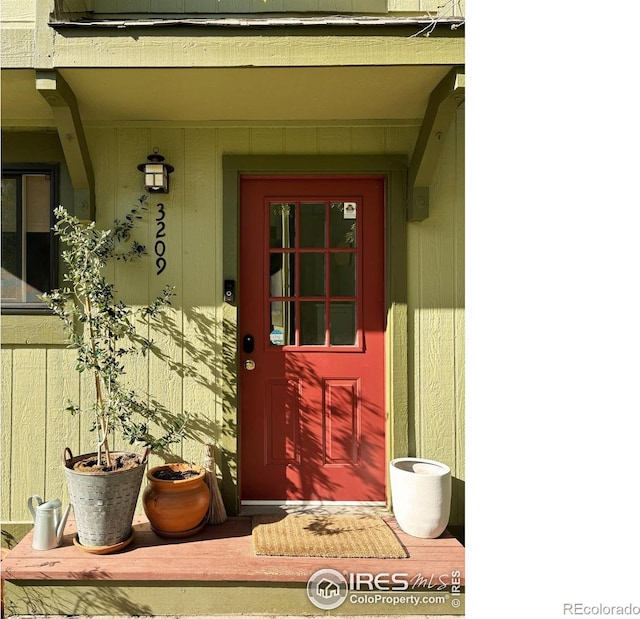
x: 160, y: 247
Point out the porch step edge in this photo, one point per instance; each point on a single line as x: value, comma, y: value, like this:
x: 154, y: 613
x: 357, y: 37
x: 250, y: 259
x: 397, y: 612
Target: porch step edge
x: 235, y: 616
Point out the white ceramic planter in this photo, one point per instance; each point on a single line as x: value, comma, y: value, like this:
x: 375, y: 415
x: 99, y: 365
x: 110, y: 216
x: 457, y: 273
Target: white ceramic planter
x: 421, y: 495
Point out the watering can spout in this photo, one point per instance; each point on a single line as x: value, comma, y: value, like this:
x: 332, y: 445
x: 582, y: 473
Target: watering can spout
x: 61, y: 525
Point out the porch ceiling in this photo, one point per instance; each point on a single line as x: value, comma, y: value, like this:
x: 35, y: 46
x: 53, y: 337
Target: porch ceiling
x: 355, y: 93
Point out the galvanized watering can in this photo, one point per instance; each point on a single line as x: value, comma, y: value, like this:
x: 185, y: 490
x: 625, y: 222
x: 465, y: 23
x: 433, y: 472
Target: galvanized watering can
x: 48, y: 522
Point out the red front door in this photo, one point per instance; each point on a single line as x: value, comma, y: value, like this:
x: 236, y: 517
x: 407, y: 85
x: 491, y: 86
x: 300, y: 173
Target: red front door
x: 311, y: 329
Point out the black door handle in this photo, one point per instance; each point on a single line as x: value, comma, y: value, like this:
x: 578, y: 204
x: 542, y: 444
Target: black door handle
x: 247, y: 344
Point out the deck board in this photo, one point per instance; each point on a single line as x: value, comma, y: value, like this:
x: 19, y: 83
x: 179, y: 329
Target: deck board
x: 219, y: 553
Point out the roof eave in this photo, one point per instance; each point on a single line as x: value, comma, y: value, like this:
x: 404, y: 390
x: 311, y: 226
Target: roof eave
x: 422, y: 21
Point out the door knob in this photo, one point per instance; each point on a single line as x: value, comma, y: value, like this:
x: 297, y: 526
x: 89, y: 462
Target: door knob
x: 249, y: 364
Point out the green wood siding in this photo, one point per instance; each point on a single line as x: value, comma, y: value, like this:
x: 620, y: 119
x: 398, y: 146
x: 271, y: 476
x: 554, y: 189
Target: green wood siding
x: 196, y: 368
x: 191, y: 599
x: 436, y: 318
x: 24, y: 11
x: 19, y: 12
x: 277, y: 6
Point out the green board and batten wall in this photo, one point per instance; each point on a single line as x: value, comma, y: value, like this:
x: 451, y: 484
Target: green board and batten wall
x: 197, y: 368
x: 197, y: 371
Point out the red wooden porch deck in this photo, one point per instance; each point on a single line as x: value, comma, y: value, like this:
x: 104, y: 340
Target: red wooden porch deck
x: 217, y: 573
x: 221, y: 553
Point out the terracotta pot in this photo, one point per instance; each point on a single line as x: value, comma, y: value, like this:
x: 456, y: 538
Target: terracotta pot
x: 176, y: 508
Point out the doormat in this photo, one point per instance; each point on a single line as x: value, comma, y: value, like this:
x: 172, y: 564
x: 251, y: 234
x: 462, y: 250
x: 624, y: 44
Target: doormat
x: 325, y: 535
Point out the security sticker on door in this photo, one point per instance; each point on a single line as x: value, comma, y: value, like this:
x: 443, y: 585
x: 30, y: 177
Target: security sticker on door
x: 349, y: 211
x: 276, y: 337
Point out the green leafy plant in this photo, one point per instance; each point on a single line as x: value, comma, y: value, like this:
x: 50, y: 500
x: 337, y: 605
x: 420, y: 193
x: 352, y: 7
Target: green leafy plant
x: 105, y: 331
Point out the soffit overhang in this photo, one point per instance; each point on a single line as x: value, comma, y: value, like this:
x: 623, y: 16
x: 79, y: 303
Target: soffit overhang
x: 377, y: 94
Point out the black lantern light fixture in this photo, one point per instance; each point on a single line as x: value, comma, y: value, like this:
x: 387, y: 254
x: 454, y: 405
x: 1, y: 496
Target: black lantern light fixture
x: 156, y: 173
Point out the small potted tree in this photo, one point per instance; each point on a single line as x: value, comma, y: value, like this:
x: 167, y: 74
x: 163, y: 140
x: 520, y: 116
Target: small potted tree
x: 104, y: 486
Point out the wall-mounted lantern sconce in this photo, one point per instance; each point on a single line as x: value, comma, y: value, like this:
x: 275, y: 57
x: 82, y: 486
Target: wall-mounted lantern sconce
x: 156, y: 173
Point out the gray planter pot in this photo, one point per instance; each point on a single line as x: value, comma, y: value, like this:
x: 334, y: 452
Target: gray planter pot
x: 103, y: 503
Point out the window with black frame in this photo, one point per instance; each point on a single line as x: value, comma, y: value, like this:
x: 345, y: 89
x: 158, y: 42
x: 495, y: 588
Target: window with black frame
x: 29, y: 253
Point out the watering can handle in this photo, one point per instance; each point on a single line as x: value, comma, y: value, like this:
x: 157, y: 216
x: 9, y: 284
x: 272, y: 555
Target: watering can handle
x: 30, y: 506
x: 66, y: 455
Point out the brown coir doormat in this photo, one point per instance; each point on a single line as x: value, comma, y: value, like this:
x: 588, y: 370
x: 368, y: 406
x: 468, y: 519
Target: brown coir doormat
x: 330, y: 536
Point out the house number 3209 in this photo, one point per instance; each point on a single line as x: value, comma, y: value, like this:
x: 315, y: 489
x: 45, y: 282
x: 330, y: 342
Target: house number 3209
x: 160, y: 247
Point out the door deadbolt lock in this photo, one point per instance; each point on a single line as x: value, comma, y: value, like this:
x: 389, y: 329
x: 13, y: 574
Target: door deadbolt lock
x: 248, y: 343
x: 249, y: 364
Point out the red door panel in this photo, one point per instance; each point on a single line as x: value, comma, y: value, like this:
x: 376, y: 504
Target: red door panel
x: 311, y: 296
